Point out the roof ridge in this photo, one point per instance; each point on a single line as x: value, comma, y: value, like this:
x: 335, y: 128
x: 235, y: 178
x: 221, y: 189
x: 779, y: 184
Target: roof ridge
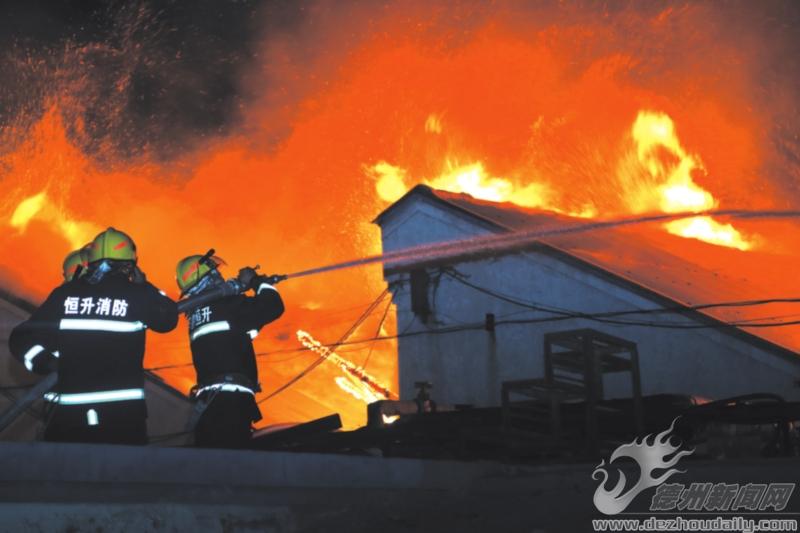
x: 462, y: 198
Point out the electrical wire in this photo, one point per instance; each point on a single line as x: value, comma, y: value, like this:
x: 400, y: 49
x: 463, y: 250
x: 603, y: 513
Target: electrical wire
x: 558, y: 315
x: 377, y: 332
x: 606, y: 317
x: 333, y: 347
x: 482, y: 326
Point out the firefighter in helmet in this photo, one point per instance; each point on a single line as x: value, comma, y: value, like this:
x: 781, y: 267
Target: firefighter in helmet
x: 76, y: 262
x: 96, y: 324
x: 221, y: 336
x: 74, y: 266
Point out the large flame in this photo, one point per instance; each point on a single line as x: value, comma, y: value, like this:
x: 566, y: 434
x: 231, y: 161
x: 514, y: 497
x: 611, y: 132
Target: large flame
x: 662, y: 181
x: 38, y: 206
x: 670, y: 186
x: 581, y: 110
x: 472, y: 178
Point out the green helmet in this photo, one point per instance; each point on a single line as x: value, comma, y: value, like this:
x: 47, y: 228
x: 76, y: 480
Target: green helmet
x: 191, y: 270
x: 112, y: 244
x: 75, y: 259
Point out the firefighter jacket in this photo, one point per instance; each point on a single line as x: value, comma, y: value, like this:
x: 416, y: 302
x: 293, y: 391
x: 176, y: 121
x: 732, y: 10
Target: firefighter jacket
x: 221, y: 336
x: 97, y: 332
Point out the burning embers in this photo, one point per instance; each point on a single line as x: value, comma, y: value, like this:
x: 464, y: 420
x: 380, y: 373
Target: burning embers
x: 354, y: 379
x: 655, y: 174
x: 571, y: 111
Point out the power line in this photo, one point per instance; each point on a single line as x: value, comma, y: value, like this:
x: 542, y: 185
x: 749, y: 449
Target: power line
x: 606, y: 316
x: 377, y: 332
x: 321, y: 359
x: 559, y: 315
x: 370, y: 308
x: 482, y: 326
x: 168, y: 367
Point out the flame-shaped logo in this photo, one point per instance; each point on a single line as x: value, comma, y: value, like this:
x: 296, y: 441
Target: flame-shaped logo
x: 650, y: 457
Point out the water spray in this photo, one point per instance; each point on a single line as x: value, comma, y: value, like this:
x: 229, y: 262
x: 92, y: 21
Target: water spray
x: 477, y: 246
x: 520, y: 239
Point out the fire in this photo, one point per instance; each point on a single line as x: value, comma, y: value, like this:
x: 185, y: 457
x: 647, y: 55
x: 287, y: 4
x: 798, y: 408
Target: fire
x: 357, y: 390
x: 474, y: 180
x: 39, y: 206
x: 669, y: 186
x: 661, y: 181
x: 355, y: 381
x: 392, y: 182
x: 709, y: 230
x: 573, y: 109
x: 26, y: 210
x: 433, y: 124
x: 669, y: 168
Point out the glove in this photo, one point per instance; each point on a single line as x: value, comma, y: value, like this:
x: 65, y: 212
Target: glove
x: 247, y: 277
x: 138, y: 276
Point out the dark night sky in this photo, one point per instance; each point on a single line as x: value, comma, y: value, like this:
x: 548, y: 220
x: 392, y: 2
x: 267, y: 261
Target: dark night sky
x: 161, y: 72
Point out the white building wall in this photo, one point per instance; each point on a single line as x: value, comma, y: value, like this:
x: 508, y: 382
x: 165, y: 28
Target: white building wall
x: 469, y: 366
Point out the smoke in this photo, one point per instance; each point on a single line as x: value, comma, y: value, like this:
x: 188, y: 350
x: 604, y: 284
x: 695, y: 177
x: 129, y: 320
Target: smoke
x: 246, y: 126
x: 160, y: 79
x: 143, y: 78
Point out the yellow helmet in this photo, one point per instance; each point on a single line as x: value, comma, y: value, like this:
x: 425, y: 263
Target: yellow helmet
x: 75, y: 259
x: 191, y: 270
x: 112, y: 244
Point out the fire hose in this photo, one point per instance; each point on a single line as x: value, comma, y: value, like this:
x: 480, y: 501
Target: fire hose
x: 33, y: 394
x: 230, y: 287
x: 493, y: 243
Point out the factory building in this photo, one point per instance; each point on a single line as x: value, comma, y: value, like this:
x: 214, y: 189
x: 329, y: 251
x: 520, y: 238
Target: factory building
x: 469, y: 323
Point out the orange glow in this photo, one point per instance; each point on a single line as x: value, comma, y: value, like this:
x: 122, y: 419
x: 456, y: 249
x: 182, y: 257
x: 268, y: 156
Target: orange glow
x: 26, y: 210
x: 580, y: 110
x: 473, y: 180
x: 392, y: 183
x: 662, y: 181
x: 669, y: 186
x: 38, y: 206
x: 433, y: 124
x: 355, y: 380
x: 709, y: 230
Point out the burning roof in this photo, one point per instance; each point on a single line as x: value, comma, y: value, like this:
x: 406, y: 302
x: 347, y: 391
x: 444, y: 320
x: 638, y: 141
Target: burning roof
x: 690, y: 274
x: 275, y: 136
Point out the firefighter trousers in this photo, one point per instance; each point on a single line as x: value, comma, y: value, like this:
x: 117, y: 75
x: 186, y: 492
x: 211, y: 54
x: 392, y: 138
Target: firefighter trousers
x: 226, y: 422
x: 117, y: 423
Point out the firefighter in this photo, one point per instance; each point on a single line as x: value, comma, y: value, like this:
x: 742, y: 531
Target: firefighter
x: 221, y: 337
x: 96, y: 325
x: 76, y: 262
